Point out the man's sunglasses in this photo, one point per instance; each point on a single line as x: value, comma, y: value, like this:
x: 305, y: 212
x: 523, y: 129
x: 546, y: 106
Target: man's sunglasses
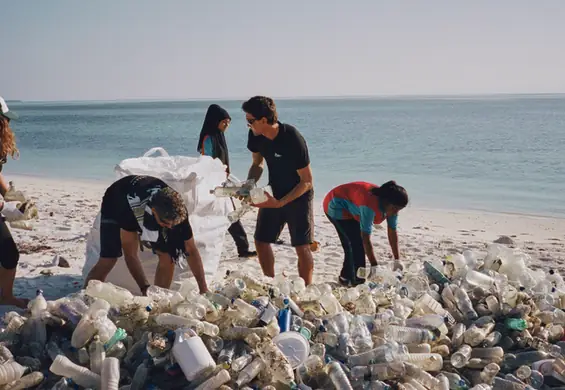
x: 251, y: 121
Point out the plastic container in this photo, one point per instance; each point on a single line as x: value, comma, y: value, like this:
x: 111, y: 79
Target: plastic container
x: 110, y: 374
x: 191, y: 353
x: 294, y: 346
x: 10, y: 372
x: 82, y: 376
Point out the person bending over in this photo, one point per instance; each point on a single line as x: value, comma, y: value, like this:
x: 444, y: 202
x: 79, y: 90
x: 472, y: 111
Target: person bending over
x: 353, y: 208
x: 144, y: 208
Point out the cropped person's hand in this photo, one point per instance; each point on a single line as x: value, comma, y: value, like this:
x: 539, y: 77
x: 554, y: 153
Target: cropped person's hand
x: 270, y: 203
x: 397, y: 266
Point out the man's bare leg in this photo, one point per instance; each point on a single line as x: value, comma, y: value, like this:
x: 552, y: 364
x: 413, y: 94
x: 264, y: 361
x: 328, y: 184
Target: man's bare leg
x: 305, y: 263
x: 101, y: 270
x: 165, y: 271
x: 266, y: 258
x: 7, y: 297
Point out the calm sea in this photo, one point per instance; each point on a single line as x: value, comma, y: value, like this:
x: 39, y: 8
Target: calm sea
x: 498, y: 153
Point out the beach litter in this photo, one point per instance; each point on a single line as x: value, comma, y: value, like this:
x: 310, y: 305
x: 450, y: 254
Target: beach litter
x: 459, y: 323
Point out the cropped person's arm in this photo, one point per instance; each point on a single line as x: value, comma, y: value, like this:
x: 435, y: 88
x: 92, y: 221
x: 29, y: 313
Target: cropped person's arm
x: 130, y: 245
x: 257, y: 166
x: 195, y: 264
x: 301, y: 188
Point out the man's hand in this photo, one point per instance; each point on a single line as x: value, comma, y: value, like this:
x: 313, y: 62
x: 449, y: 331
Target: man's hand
x: 270, y: 203
x: 397, y: 266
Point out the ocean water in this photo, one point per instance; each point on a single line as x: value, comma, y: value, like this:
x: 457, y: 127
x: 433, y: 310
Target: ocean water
x: 497, y: 153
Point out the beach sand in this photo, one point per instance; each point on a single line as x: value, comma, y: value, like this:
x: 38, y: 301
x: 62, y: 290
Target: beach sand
x: 68, y: 208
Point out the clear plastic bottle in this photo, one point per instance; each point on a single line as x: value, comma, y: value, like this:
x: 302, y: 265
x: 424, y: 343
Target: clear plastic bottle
x: 338, y: 377
x: 460, y: 358
x: 250, y: 371
x: 116, y: 296
x: 422, y: 376
x: 426, y: 361
x: 489, y: 372
x: 381, y: 354
x: 380, y: 371
x: 407, y: 335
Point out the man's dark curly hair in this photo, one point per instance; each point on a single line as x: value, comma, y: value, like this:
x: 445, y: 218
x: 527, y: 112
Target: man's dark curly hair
x: 261, y: 107
x: 169, y: 206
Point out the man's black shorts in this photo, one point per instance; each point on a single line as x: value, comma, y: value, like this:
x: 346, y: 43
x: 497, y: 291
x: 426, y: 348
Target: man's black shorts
x: 115, y: 215
x: 299, y: 215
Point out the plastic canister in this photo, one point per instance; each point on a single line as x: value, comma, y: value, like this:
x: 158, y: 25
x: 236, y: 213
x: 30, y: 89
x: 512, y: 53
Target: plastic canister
x: 294, y: 346
x: 191, y: 354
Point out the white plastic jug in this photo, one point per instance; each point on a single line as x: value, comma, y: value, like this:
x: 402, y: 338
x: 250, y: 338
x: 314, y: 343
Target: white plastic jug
x: 191, y: 354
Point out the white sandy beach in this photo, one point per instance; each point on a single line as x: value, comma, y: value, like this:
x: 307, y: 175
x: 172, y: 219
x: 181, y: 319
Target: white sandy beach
x: 67, y: 210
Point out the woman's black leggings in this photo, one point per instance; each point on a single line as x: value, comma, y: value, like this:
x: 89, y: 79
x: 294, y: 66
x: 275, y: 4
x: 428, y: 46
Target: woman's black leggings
x: 349, y: 232
x: 9, y: 254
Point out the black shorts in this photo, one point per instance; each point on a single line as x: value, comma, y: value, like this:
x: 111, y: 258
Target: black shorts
x: 9, y: 254
x: 299, y: 215
x: 115, y: 215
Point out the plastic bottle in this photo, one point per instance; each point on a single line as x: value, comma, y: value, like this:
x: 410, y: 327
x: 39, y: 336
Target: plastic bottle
x: 250, y: 371
x: 82, y: 376
x: 226, y: 355
x: 10, y: 372
x: 220, y: 378
x: 273, y: 357
x: 110, y: 377
x: 140, y: 377
x: 380, y: 371
x: 426, y: 361
x: 407, y: 335
x: 191, y: 353
x: 97, y: 355
x: 30, y: 380
x: 338, y: 377
x: 460, y: 358
x: 116, y: 296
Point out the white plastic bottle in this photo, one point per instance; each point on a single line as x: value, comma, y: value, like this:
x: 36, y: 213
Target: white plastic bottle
x: 191, y: 353
x: 82, y: 376
x: 110, y: 377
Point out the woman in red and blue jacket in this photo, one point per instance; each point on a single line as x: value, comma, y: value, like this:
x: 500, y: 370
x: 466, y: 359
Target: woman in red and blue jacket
x: 353, y: 208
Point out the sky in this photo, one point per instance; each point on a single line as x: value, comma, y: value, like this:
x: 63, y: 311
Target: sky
x: 189, y: 49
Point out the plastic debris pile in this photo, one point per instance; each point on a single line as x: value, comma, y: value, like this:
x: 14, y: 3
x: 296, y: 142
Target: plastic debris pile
x: 459, y: 324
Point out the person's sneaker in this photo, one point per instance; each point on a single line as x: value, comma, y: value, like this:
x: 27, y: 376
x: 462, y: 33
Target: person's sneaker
x: 248, y: 254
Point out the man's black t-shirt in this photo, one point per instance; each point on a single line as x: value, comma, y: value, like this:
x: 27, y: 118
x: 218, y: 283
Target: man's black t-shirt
x: 134, y: 214
x: 285, y: 154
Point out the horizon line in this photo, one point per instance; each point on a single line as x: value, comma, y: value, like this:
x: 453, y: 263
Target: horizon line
x: 308, y: 97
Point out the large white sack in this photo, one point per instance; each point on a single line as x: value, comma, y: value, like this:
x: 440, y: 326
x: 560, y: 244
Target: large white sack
x: 193, y: 178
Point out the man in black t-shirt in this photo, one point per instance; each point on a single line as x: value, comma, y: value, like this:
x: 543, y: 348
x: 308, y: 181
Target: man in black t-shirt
x: 290, y: 177
x: 144, y: 208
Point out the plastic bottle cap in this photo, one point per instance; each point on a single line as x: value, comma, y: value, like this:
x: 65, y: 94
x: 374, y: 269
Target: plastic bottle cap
x: 294, y: 346
x: 551, y: 272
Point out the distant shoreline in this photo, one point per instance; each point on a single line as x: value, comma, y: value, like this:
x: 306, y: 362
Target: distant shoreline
x: 472, y: 96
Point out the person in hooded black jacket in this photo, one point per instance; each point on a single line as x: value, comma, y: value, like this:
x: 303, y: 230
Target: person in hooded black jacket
x: 212, y: 143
